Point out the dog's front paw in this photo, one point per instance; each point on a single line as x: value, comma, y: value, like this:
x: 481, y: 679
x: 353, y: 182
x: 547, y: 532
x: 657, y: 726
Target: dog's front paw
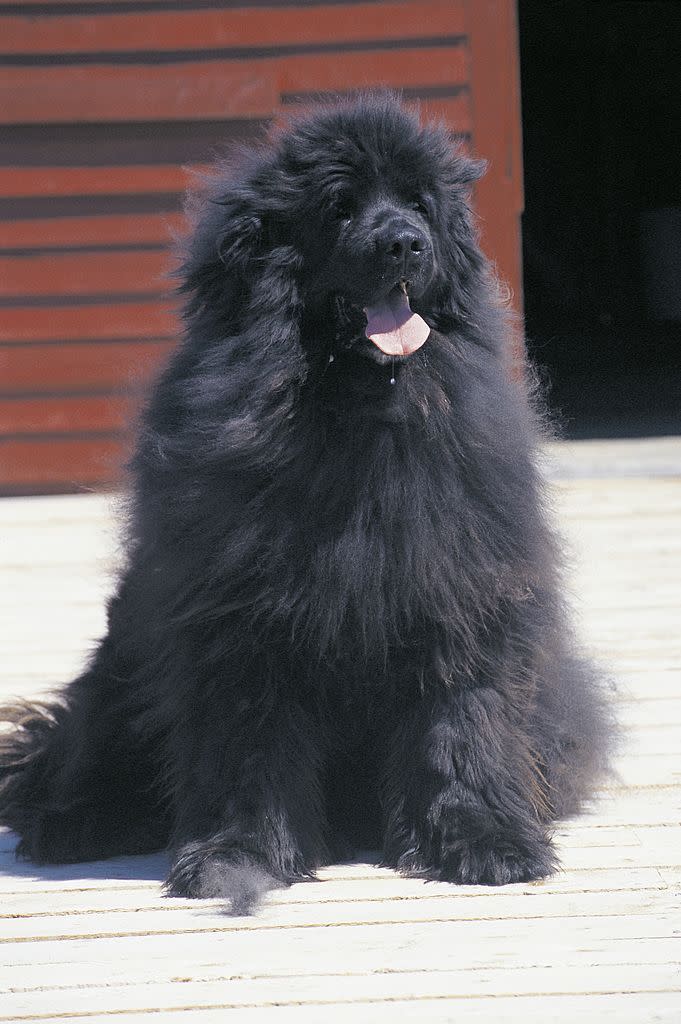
x: 233, y: 877
x: 497, y: 860
x: 473, y: 849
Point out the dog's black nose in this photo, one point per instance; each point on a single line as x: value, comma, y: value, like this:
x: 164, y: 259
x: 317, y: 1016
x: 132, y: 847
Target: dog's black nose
x: 405, y: 241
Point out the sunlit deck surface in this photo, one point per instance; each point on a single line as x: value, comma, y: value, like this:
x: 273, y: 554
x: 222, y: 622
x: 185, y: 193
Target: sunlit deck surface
x: 600, y: 941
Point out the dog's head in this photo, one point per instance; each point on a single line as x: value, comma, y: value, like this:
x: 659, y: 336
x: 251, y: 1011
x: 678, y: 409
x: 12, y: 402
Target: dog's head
x: 356, y: 218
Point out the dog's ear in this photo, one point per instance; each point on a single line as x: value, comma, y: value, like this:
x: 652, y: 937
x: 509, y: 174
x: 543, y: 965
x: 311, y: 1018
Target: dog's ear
x: 462, y: 268
x: 225, y: 235
x: 259, y: 257
x: 218, y: 256
x: 241, y: 281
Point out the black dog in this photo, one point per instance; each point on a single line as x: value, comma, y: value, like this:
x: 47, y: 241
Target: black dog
x: 340, y: 621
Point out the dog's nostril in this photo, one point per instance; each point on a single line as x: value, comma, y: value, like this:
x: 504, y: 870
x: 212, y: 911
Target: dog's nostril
x: 403, y: 242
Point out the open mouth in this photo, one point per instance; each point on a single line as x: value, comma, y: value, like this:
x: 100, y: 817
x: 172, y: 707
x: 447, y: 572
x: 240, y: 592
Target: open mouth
x: 392, y: 325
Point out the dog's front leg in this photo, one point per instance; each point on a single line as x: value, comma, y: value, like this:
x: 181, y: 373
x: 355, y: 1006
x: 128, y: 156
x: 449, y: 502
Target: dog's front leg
x: 462, y: 794
x: 249, y: 814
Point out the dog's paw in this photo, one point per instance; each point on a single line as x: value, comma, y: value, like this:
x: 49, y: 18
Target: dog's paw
x: 235, y: 878
x: 481, y: 852
x: 497, y: 860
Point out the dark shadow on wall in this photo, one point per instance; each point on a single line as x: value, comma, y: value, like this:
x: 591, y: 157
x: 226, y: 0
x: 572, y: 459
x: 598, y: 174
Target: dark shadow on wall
x: 601, y: 96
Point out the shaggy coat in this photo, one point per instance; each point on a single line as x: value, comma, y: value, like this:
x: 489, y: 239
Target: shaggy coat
x: 340, y: 622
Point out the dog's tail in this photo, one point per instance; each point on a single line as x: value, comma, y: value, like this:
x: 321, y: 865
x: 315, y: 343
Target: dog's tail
x: 30, y: 737
x: 74, y: 793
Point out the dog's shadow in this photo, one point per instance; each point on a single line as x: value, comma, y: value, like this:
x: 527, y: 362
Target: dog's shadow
x: 152, y: 867
x: 148, y: 868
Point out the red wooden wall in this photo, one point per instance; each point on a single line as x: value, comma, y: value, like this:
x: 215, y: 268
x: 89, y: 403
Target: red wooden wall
x: 104, y: 104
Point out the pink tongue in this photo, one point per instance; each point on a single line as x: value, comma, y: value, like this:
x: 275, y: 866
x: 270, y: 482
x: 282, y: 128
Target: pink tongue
x: 393, y: 327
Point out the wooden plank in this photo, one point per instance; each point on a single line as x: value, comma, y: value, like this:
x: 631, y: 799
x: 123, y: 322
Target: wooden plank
x: 316, y: 989
x: 211, y: 89
x: 27, y: 182
x: 121, y: 229
x: 455, y: 111
x: 109, y: 3
x: 399, y: 68
x: 497, y: 940
x: 279, y: 962
x: 65, y: 414
x: 648, y: 771
x: 75, y: 323
x: 161, y: 31
x: 166, y: 918
x: 35, y: 368
x: 619, y: 1007
x: 101, y: 273
x: 661, y: 740
x: 108, y: 92
x: 57, y: 511
x: 74, y: 462
x: 622, y: 457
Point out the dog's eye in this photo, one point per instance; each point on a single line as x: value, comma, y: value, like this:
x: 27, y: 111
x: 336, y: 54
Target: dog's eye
x: 420, y: 206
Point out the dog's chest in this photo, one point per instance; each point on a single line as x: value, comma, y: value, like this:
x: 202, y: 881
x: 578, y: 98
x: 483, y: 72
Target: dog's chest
x: 369, y: 538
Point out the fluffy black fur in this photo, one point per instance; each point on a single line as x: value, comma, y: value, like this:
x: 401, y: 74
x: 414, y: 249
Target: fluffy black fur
x: 340, y: 621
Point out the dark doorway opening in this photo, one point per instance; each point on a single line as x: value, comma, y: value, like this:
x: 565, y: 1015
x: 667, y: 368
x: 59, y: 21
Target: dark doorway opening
x: 601, y: 98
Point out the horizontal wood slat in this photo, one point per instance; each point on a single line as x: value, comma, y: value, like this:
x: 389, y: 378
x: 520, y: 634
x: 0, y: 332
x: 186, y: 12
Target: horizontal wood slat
x: 217, y: 89
x: 60, y: 462
x: 67, y: 414
x: 53, y: 232
x: 100, y: 273
x: 108, y: 92
x: 72, y: 367
x: 399, y: 68
x: 95, y: 3
x: 86, y: 181
x: 88, y: 323
x: 455, y: 111
x: 256, y: 27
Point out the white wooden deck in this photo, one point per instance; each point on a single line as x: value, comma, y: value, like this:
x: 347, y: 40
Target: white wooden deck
x: 600, y: 941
